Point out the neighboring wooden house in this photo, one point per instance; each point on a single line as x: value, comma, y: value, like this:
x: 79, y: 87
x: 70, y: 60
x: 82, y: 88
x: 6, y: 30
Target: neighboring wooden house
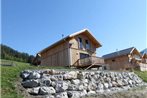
x: 77, y: 49
x: 144, y: 58
x: 144, y: 55
x: 123, y: 59
x: 143, y: 64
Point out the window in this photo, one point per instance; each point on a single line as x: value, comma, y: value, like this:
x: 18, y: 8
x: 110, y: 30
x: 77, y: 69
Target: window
x: 80, y: 43
x: 87, y: 46
x: 83, y: 55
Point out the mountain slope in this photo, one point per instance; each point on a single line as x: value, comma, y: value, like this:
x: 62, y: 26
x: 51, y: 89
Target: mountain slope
x: 11, y: 54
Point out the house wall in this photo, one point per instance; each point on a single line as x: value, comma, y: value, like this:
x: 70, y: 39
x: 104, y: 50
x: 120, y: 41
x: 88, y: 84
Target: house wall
x: 118, y: 63
x: 56, y: 56
x: 124, y: 61
x: 75, y: 51
x: 144, y: 60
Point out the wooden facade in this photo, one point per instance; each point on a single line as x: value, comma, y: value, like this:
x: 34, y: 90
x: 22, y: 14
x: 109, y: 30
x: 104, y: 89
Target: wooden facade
x: 67, y: 51
x: 144, y: 58
x: 125, y: 59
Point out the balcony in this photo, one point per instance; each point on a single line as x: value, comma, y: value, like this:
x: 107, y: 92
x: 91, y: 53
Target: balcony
x: 89, y: 61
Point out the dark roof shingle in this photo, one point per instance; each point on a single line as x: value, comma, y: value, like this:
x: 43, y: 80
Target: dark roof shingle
x: 118, y: 53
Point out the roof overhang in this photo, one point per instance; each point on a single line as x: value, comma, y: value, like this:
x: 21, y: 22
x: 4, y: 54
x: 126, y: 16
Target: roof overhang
x: 84, y: 31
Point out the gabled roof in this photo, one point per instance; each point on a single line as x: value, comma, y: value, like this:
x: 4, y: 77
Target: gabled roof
x: 119, y: 53
x: 144, y: 55
x: 84, y: 31
x: 144, y: 51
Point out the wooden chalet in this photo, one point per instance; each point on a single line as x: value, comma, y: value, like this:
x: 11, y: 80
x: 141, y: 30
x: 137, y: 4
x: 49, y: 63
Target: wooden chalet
x: 77, y: 49
x: 144, y: 58
x: 125, y: 59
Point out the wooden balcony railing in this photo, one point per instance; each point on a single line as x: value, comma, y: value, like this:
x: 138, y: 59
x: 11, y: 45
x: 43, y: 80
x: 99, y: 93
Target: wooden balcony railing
x: 89, y: 61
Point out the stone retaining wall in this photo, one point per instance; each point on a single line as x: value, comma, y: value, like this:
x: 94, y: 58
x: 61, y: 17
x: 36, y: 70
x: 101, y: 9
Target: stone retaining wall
x: 76, y: 84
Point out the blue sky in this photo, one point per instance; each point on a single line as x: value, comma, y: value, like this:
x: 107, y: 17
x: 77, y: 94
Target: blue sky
x: 31, y: 25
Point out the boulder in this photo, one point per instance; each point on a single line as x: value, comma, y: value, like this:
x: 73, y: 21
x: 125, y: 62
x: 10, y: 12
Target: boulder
x: 62, y: 95
x: 110, y: 85
x: 73, y: 87
x: 49, y: 96
x: 100, y: 86
x: 61, y: 86
x: 119, y: 83
x: 73, y: 94
x: 114, y: 84
x: 45, y: 82
x: 91, y: 93
x: 81, y: 87
x: 25, y: 74
x: 106, y: 85
x: 75, y: 81
x: 70, y: 75
x: 130, y: 82
x: 46, y: 90
x: 83, y: 93
x: 34, y: 75
x: 30, y: 83
x: 33, y: 91
x: 92, y: 86
x: 53, y: 84
x: 84, y: 80
x: 125, y: 82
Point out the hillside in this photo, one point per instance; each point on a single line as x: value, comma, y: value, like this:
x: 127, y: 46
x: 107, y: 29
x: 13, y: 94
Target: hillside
x: 9, y: 53
x: 10, y: 77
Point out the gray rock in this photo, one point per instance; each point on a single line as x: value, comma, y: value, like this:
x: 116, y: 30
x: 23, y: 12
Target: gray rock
x: 49, y: 96
x: 81, y: 87
x: 56, y: 77
x: 30, y: 83
x: 91, y: 93
x: 84, y: 80
x: 114, y: 84
x: 34, y: 91
x: 73, y: 94
x: 34, y: 75
x: 83, y: 93
x: 61, y: 86
x: 125, y: 82
x: 45, y: 82
x: 70, y: 75
x: 100, y: 86
x: 110, y: 85
x: 119, y: 83
x: 25, y: 74
x: 130, y: 82
x: 75, y: 81
x: 92, y: 86
x: 106, y: 85
x: 62, y: 95
x: 53, y: 84
x: 46, y: 90
x: 73, y: 87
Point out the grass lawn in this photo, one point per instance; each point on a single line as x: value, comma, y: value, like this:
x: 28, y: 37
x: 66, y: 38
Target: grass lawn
x: 142, y: 75
x: 10, y: 74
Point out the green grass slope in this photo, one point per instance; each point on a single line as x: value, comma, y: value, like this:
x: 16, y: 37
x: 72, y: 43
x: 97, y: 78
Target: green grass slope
x: 10, y: 75
x: 142, y: 75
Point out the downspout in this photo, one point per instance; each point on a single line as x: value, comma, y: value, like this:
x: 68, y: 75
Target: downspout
x: 69, y: 55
